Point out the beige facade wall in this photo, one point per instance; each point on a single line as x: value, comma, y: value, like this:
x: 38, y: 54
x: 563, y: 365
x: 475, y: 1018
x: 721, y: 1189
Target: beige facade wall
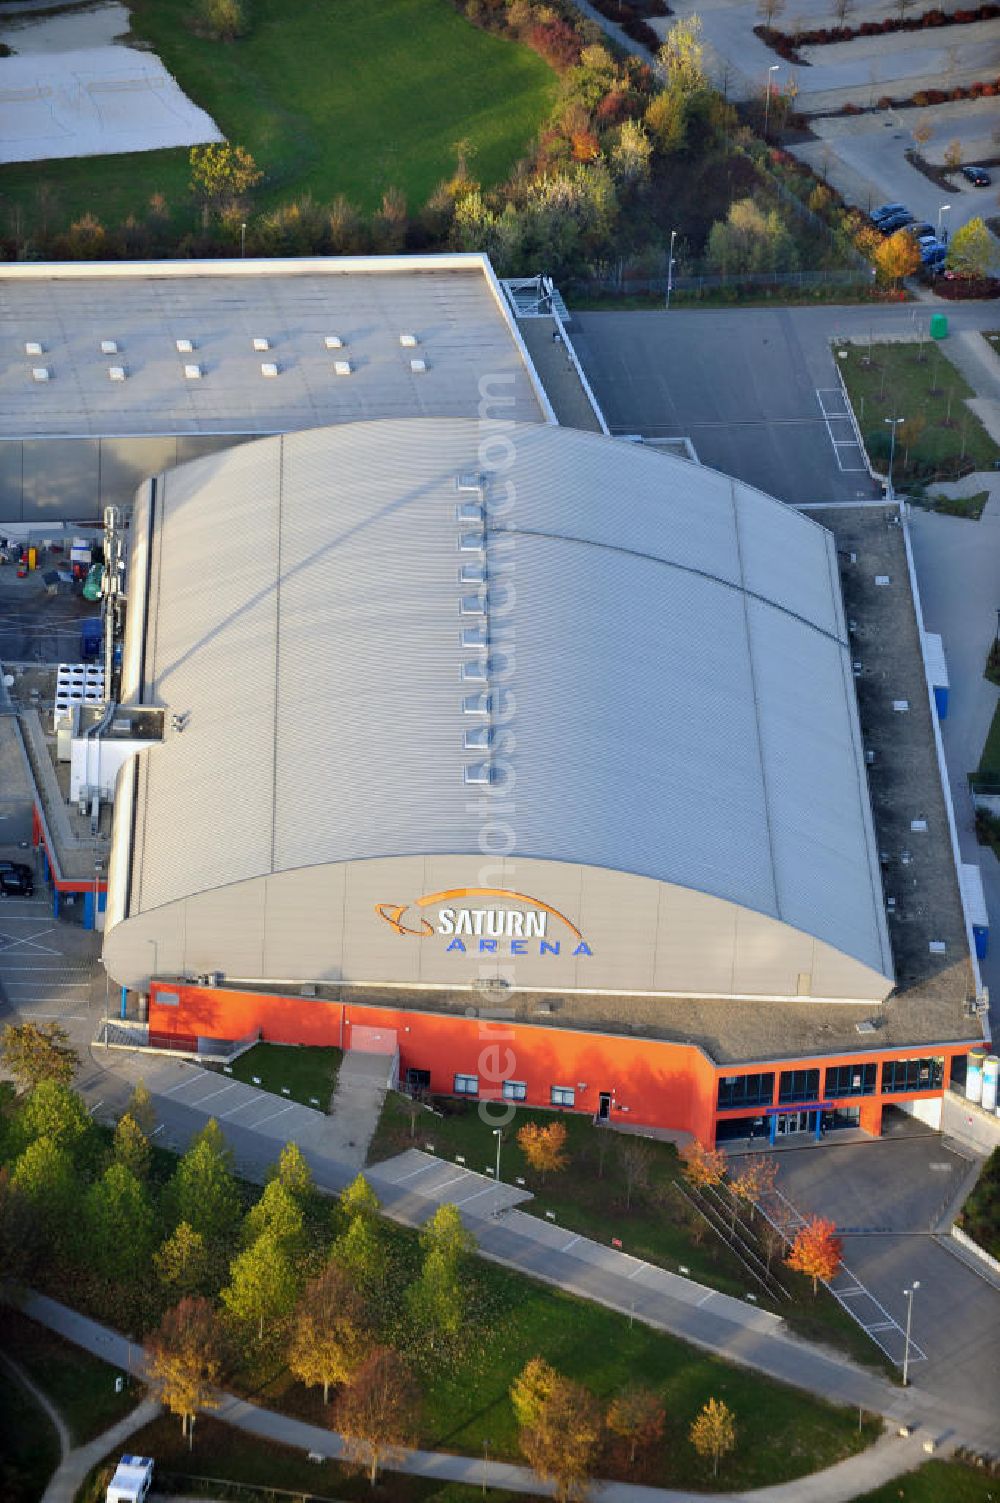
x: 321, y: 924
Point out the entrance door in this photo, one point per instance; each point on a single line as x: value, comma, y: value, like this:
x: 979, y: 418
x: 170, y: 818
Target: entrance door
x: 604, y: 1106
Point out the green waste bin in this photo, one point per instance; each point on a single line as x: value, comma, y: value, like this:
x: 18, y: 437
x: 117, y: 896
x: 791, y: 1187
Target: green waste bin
x: 939, y: 325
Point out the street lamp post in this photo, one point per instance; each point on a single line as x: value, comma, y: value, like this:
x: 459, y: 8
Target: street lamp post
x: 767, y: 94
x: 670, y: 267
x: 909, y: 1316
x: 943, y: 210
x: 243, y: 239
x: 498, y: 1134
x: 894, y: 423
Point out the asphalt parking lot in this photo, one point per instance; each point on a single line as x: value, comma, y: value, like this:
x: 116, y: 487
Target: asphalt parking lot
x: 885, y: 1197
x: 740, y: 385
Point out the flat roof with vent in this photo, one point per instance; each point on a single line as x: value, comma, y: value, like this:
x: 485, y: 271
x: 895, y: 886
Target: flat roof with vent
x: 442, y: 316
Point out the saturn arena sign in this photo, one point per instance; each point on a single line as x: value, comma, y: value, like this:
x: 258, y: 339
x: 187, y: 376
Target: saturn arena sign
x: 498, y: 927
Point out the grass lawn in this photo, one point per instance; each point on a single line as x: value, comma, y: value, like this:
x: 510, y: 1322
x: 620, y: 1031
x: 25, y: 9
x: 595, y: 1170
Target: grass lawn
x: 29, y: 1446
x: 970, y: 507
x: 348, y: 97
x: 309, y: 1074
x: 224, y: 1453
x: 989, y: 762
x: 917, y: 382
x: 938, y: 1482
x: 588, y: 1197
x: 81, y: 1386
x: 980, y: 1217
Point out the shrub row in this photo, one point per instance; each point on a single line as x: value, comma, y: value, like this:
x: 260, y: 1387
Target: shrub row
x: 924, y: 97
x: 823, y: 35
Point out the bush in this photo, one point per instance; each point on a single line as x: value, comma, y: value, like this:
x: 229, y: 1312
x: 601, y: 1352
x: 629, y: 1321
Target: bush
x: 223, y: 20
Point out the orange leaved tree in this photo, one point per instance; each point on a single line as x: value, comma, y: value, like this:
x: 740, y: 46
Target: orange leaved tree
x: 816, y: 1251
x: 702, y: 1167
x: 544, y: 1147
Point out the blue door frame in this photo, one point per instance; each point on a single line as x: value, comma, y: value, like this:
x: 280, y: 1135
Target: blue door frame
x: 816, y: 1108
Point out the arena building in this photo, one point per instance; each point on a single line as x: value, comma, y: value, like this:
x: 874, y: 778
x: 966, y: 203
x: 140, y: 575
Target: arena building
x: 531, y: 755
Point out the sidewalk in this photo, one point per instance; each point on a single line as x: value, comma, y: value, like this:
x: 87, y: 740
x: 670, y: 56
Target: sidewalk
x: 888, y: 1458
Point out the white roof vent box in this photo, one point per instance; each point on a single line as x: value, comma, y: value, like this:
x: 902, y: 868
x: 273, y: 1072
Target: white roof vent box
x: 184, y: 346
x: 33, y: 347
x: 268, y: 368
x: 109, y: 347
x: 418, y: 367
x: 41, y: 373
x: 192, y: 372
x: 409, y: 341
x: 334, y: 342
x: 342, y: 367
x: 116, y: 373
x: 261, y: 345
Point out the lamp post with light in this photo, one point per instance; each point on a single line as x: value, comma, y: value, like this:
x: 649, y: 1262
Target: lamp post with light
x: 894, y: 423
x: 767, y: 94
x: 670, y: 268
x: 909, y: 1317
x: 943, y: 210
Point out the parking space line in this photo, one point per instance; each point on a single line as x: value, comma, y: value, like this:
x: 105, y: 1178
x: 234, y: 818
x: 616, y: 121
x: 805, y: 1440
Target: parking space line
x: 185, y: 1082
x: 571, y: 1243
x: 421, y: 1169
x: 475, y: 1194
x: 282, y: 1112
x: 230, y: 1086
x: 250, y: 1101
x: 453, y: 1181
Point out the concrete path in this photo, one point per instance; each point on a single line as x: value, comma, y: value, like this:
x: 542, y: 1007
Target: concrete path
x: 362, y: 1082
x: 890, y: 1457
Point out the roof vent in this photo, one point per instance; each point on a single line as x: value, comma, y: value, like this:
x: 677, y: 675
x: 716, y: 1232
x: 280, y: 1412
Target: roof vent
x: 33, y: 347
x: 473, y: 605
x: 478, y: 738
x: 116, y: 373
x: 476, y: 704
x: 866, y: 1027
x: 468, y: 480
x: 261, y: 345
x: 40, y: 373
x: 184, y: 346
x: 192, y: 372
x: 418, y: 367
x: 408, y: 341
x: 341, y: 367
x: 472, y: 574
x: 882, y: 579
x: 474, y: 671
x: 471, y: 542
x: 919, y: 826
x: 470, y: 514
x: 334, y: 342
x: 109, y: 347
x: 475, y: 636
x: 268, y: 368
x: 479, y: 773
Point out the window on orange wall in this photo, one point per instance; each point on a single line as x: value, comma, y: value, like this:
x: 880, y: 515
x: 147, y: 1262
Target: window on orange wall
x: 562, y: 1095
x: 851, y: 1080
x: 912, y: 1074
x: 515, y: 1090
x: 466, y: 1085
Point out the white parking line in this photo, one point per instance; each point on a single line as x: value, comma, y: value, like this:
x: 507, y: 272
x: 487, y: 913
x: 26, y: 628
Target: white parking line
x: 571, y: 1243
x: 250, y: 1101
x: 188, y: 1080
x: 453, y: 1181
x: 475, y: 1194
x: 271, y: 1118
x: 423, y: 1168
x: 706, y: 1297
x: 231, y: 1086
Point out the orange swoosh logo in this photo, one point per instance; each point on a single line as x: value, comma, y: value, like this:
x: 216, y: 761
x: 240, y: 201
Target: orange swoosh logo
x: 392, y: 913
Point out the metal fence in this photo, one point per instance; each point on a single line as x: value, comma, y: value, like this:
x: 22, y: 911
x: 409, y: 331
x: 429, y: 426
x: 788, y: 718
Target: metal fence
x: 625, y: 285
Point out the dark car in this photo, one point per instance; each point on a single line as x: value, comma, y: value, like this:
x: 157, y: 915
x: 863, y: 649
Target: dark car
x: 16, y: 880
x: 934, y: 256
x: 918, y: 231
x: 896, y: 222
x: 885, y: 211
x: 978, y: 176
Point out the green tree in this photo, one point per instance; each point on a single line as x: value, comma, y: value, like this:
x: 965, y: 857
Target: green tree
x: 46, y: 1180
x: 131, y: 1146
x: 667, y: 121
x: 437, y: 1299
x: 263, y: 1284
x: 185, y: 1360
x: 203, y: 1191
x: 222, y: 20
x: 531, y: 1390
x: 361, y: 1252
x: 222, y: 174
x: 181, y: 1263
x: 54, y: 1111
x: 119, y: 1219
x: 358, y: 1199
x: 19, y: 1241
x: 750, y: 240
x: 33, y: 1053
x: 294, y: 1173
x: 330, y: 1337
x: 973, y: 251
x: 630, y: 156
x: 682, y: 56
x: 140, y: 1109
x: 278, y: 1212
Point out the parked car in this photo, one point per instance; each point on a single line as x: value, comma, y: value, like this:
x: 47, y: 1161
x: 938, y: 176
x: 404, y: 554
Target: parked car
x: 885, y: 211
x: 922, y: 230
x: 978, y: 176
x: 896, y: 222
x: 934, y: 256
x: 16, y: 880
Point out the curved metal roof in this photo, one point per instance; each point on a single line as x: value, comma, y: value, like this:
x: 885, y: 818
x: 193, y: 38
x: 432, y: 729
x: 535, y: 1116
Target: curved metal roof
x: 665, y: 667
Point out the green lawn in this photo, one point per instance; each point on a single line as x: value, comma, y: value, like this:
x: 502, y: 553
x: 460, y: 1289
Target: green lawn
x: 980, y: 1216
x: 29, y: 1446
x: 938, y: 1482
x: 308, y: 1074
x: 588, y: 1197
x: 81, y: 1386
x: 329, y: 96
x: 917, y: 382
x: 969, y: 507
x: 989, y: 762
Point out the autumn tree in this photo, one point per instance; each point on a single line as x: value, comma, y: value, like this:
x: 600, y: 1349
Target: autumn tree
x: 140, y: 1108
x: 222, y: 174
x: 922, y: 132
x: 973, y: 250
x: 437, y: 1298
x: 636, y: 1418
x: 378, y: 1411
x: 544, y: 1147
x: 263, y: 1284
x: 560, y: 1432
x: 702, y: 1167
x: 713, y: 1432
x: 222, y: 20
x: 181, y: 1263
x: 772, y: 1241
x: 897, y: 256
x: 35, y: 1052
x: 753, y: 1181
x: 769, y: 11
x: 953, y: 155
x: 184, y: 1360
x: 682, y: 56
x: 635, y: 1160
x: 816, y: 1250
x: 131, y: 1147
x: 630, y: 156
x: 330, y: 1337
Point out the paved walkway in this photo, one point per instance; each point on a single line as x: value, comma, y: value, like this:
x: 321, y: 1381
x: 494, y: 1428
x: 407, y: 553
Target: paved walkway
x: 362, y: 1082
x: 75, y: 1463
x: 890, y: 1457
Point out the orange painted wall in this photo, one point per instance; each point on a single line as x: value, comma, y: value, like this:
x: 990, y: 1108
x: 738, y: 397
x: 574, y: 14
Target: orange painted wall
x: 652, y: 1083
